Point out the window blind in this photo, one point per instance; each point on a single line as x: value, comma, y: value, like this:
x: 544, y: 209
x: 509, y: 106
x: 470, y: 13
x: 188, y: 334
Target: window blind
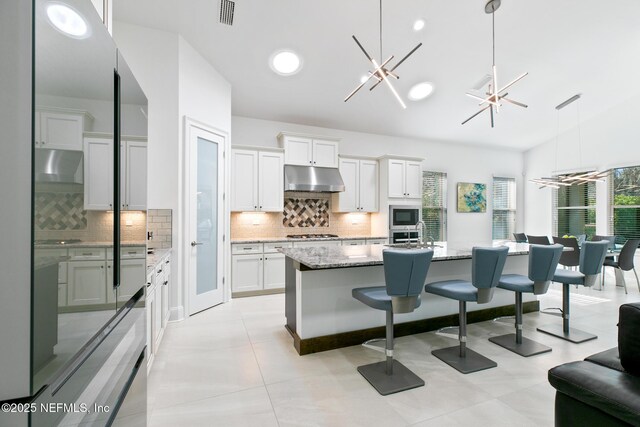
x: 434, y: 205
x: 575, y: 210
x: 504, y: 208
x: 624, y: 199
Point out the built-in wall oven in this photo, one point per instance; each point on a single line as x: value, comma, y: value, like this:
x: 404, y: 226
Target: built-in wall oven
x: 403, y: 221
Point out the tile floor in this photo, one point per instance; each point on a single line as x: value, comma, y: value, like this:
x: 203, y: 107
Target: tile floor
x: 234, y: 365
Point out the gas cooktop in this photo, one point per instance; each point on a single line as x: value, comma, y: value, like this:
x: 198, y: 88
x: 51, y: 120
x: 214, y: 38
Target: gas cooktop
x: 310, y: 236
x: 57, y: 242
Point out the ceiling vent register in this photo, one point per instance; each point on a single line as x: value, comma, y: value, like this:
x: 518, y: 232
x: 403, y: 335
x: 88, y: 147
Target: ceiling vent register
x: 226, y: 11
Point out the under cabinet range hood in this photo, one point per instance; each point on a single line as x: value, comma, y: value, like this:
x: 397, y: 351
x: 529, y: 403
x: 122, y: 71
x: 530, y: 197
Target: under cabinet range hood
x: 61, y: 166
x: 312, y: 179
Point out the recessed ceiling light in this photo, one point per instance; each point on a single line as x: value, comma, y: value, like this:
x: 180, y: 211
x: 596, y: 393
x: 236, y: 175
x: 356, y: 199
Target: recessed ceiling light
x: 420, y: 91
x: 67, y: 20
x: 418, y: 25
x: 285, y: 62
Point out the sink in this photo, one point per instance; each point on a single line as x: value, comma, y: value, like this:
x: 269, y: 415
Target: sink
x: 413, y: 245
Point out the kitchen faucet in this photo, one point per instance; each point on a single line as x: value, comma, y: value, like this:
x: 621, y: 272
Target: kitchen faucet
x: 420, y: 227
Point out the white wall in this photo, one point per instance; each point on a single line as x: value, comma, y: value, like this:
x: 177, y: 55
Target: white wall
x: 178, y: 82
x: 608, y: 140
x: 462, y: 163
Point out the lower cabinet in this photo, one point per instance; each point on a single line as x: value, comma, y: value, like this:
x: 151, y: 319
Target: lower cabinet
x: 157, y: 305
x: 87, y: 281
x: 247, y: 272
x: 273, y: 271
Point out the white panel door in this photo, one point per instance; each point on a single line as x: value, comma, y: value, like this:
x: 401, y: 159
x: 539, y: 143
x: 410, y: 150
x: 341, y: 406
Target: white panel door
x: 244, y: 180
x: 61, y: 131
x: 270, y: 181
x: 87, y: 283
x: 413, y: 185
x: 135, y: 162
x: 298, y: 151
x: 397, y: 178
x: 273, y: 271
x: 98, y: 174
x: 246, y: 272
x: 325, y: 153
x: 348, y: 199
x: 368, y: 184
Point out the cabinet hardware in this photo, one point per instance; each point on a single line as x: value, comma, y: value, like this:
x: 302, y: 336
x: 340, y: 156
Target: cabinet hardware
x: 247, y: 249
x: 309, y: 161
x: 194, y: 243
x: 166, y: 262
x: 148, y: 284
x: 87, y: 253
x: 102, y: 266
x: 260, y: 207
x: 132, y: 252
x: 166, y: 282
x: 159, y: 271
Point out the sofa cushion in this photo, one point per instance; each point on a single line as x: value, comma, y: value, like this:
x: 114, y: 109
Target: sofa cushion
x: 611, y: 391
x: 609, y: 358
x: 628, y: 333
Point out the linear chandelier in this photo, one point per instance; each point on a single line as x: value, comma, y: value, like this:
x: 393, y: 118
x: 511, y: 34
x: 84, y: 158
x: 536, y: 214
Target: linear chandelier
x: 569, y: 179
x: 380, y: 71
x: 494, y: 96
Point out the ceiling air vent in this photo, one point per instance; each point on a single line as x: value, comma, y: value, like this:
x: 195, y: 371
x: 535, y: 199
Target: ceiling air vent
x: 226, y: 11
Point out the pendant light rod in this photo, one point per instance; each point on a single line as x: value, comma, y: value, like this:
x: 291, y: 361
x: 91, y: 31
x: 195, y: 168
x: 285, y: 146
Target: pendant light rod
x: 380, y: 30
x: 568, y: 101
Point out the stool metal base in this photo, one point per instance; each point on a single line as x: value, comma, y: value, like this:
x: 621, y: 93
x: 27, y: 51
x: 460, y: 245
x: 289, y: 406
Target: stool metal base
x: 473, y: 362
x: 401, y: 379
x: 526, y: 348
x: 574, y: 335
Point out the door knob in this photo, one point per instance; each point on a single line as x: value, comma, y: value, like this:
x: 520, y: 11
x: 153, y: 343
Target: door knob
x: 194, y: 243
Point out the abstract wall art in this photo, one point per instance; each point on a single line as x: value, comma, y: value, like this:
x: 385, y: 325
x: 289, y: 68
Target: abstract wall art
x: 472, y: 197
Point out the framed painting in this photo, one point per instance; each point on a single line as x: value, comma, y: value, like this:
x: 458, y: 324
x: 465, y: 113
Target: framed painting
x: 472, y: 197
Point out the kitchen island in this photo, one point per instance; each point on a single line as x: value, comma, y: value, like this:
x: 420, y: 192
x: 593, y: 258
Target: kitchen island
x: 322, y: 315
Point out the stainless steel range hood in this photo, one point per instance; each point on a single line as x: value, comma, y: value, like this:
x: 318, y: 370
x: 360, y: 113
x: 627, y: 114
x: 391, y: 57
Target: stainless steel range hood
x: 312, y: 179
x: 61, y: 166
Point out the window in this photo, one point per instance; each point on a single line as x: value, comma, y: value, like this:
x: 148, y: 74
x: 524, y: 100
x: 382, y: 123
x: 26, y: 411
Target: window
x: 504, y: 208
x: 624, y: 202
x: 575, y: 210
x: 434, y: 205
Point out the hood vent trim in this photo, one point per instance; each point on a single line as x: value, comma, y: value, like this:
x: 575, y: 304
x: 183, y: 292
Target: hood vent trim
x: 61, y: 166
x: 312, y: 179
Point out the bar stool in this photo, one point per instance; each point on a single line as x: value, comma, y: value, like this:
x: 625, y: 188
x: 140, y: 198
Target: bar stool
x: 624, y: 262
x: 520, y: 237
x: 405, y: 272
x: 591, y: 258
x: 543, y: 261
x: 487, y: 266
x: 569, y: 258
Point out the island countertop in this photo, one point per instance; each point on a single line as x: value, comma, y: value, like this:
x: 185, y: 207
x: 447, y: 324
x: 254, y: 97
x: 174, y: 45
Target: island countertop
x: 319, y: 258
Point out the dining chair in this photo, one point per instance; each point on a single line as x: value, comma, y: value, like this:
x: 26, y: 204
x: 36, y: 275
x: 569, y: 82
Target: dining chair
x: 624, y: 262
x: 520, y: 237
x: 569, y: 258
x: 538, y: 240
x: 610, y: 239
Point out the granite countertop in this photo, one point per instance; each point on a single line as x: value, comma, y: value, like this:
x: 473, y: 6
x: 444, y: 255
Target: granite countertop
x: 154, y: 259
x: 366, y: 255
x: 312, y: 239
x: 88, y: 245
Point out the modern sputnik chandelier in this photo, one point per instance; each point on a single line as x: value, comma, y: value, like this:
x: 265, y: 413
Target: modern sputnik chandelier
x: 567, y: 180
x: 381, y: 72
x: 494, y: 96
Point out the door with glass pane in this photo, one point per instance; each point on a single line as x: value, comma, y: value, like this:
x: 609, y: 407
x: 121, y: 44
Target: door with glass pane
x: 206, y: 218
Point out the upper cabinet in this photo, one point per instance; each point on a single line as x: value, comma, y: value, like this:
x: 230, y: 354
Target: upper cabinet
x: 360, y: 178
x: 60, y: 129
x: 257, y: 180
x: 105, y: 11
x: 133, y: 175
x: 306, y: 150
x: 404, y: 178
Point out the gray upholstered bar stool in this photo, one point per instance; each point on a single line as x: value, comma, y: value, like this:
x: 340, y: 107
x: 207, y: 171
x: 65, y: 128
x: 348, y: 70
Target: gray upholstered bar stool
x: 405, y: 272
x: 591, y: 258
x: 569, y: 258
x: 543, y: 261
x: 486, y: 268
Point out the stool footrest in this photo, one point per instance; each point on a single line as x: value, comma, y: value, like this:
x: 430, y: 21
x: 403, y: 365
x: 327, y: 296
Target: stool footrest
x: 370, y: 344
x: 401, y: 379
x: 472, y: 362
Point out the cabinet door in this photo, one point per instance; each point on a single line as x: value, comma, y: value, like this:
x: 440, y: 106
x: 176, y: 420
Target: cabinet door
x: 270, y: 181
x: 133, y: 276
x: 246, y: 273
x: 98, y: 174
x: 397, y: 178
x: 413, y: 185
x: 360, y: 242
x: 368, y: 184
x: 157, y: 316
x: 86, y: 283
x: 348, y: 199
x: 62, y: 294
x: 165, y: 301
x: 325, y: 153
x: 135, y: 179
x: 274, y: 271
x: 61, y: 131
x: 298, y: 151
x: 111, y: 293
x: 150, y: 309
x: 244, y: 180
x: 317, y: 244
x: 36, y: 130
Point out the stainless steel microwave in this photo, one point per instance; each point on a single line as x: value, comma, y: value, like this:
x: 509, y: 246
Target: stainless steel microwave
x: 401, y: 217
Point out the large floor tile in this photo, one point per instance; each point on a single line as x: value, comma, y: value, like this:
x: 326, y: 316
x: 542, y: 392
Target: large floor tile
x: 490, y: 413
x: 536, y: 403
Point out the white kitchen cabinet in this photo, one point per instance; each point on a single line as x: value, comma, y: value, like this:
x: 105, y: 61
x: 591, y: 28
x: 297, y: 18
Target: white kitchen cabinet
x: 132, y: 277
x: 150, y: 312
x: 157, y: 316
x: 86, y: 282
x: 317, y: 244
x: 273, y: 274
x: 257, y: 180
x: 358, y: 242
x: 98, y: 174
x: 360, y: 178
x: 105, y: 9
x: 377, y: 241
x: 404, y: 179
x: 134, y: 175
x: 60, y: 130
x: 306, y: 150
x: 247, y: 272
x: 62, y: 294
x: 166, y: 309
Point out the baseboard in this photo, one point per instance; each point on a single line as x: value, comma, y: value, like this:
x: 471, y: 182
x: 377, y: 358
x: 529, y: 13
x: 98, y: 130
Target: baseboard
x: 257, y: 293
x: 176, y: 314
x: 347, y: 339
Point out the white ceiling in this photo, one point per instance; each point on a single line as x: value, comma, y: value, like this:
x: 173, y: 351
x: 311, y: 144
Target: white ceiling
x: 568, y: 47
